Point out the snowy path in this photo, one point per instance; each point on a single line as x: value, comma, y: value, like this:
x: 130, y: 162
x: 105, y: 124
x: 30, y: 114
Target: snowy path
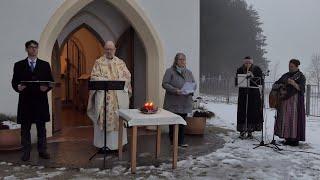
x: 265, y: 163
x: 236, y: 160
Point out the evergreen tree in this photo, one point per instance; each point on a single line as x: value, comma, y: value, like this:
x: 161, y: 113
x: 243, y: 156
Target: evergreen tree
x: 230, y: 30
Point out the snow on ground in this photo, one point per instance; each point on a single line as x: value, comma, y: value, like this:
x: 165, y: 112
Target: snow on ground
x: 12, y: 125
x: 236, y: 160
x: 301, y: 162
x: 226, y: 116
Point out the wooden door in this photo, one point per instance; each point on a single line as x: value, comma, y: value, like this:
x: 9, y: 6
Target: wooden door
x: 56, y: 91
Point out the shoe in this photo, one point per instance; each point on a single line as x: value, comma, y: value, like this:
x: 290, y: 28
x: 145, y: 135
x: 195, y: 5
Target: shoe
x: 250, y: 135
x: 44, y: 155
x: 102, y: 151
x: 290, y: 143
x: 294, y: 143
x: 242, y: 135
x: 183, y: 145
x: 107, y: 150
x: 25, y: 156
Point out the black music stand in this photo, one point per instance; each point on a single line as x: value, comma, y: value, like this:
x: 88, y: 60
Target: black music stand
x: 105, y: 86
x: 248, y: 82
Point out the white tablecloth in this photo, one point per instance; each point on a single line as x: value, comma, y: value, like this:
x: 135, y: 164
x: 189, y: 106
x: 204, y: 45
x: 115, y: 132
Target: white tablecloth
x: 133, y: 117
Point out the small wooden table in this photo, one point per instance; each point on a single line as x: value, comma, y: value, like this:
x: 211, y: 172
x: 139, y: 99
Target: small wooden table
x: 134, y: 118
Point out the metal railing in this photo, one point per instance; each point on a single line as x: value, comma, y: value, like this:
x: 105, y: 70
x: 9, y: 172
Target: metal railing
x: 220, y: 89
x: 312, y: 100
x: 223, y: 90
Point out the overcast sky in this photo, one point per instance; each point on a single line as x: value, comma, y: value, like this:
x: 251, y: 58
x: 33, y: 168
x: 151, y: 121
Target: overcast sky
x: 292, y: 28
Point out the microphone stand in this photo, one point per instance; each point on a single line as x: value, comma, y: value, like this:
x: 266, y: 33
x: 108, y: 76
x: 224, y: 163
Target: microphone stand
x: 272, y: 144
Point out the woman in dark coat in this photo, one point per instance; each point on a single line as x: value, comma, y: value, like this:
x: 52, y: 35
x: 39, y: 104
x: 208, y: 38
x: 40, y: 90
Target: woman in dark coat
x: 175, y: 100
x: 291, y: 119
x: 254, y: 109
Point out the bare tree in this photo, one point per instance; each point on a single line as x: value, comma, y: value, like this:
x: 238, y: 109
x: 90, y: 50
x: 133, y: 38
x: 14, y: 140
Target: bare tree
x: 314, y: 73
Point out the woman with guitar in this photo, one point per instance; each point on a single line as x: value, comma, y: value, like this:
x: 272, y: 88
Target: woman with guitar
x: 291, y: 120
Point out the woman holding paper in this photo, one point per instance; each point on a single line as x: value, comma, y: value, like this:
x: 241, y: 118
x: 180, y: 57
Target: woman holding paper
x: 180, y: 85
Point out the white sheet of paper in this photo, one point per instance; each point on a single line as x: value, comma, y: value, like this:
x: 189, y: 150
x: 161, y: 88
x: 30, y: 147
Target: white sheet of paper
x: 188, y: 88
x: 242, y: 80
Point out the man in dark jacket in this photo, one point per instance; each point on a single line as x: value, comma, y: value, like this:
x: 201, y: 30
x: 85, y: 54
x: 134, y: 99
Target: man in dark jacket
x: 33, y: 106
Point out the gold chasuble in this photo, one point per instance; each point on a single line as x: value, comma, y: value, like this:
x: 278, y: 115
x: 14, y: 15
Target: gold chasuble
x: 109, y: 69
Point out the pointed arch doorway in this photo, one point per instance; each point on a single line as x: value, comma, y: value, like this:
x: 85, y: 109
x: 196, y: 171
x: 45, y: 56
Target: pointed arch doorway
x: 71, y: 69
x: 137, y: 18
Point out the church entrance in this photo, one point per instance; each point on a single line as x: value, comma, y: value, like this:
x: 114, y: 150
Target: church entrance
x: 78, y: 46
x: 110, y: 20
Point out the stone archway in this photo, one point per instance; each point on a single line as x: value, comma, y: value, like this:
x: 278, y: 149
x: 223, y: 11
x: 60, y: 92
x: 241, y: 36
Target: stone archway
x: 139, y: 21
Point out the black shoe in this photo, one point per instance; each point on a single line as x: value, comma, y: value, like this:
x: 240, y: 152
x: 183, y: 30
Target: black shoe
x: 104, y: 151
x: 250, y: 135
x: 183, y: 145
x: 242, y: 135
x: 44, y: 155
x: 25, y: 156
x: 101, y: 151
x: 294, y: 143
x: 290, y: 143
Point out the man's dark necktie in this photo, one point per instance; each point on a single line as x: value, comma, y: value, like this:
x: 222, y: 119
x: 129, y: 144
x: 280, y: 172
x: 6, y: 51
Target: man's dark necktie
x: 32, y: 63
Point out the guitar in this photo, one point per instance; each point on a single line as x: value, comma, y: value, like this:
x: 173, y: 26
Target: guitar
x: 279, y: 92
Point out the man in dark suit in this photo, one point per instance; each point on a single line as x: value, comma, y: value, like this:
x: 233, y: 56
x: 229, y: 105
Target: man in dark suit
x: 33, y: 106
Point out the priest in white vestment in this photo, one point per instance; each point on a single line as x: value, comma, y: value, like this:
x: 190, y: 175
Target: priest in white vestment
x: 109, y: 67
